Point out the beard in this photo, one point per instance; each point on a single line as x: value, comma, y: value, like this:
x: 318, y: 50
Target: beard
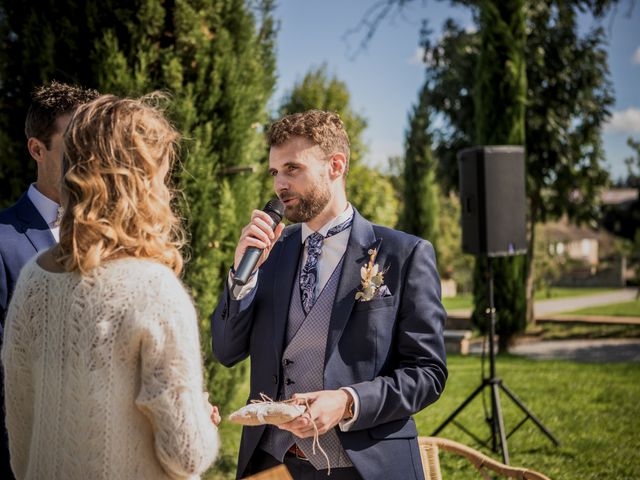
x: 310, y: 203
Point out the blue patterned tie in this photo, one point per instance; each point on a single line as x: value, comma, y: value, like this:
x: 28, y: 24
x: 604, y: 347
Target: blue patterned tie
x: 309, y: 272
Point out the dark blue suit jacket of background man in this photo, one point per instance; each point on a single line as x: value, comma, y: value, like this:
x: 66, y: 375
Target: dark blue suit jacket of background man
x: 390, y: 350
x: 23, y: 233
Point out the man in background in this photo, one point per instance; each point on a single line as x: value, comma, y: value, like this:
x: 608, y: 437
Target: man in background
x: 31, y: 224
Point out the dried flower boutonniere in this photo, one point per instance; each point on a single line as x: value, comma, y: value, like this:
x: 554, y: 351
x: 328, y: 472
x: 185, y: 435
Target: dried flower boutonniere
x: 372, y: 278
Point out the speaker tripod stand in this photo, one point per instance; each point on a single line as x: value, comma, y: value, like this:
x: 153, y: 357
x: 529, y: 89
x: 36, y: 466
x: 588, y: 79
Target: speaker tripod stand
x: 495, y: 384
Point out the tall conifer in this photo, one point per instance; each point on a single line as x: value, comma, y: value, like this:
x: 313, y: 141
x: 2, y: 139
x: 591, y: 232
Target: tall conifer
x: 421, y: 193
x: 214, y: 58
x: 500, y: 94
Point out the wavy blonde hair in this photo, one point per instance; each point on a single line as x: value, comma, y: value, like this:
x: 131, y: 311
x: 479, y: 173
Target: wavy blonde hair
x: 118, y: 157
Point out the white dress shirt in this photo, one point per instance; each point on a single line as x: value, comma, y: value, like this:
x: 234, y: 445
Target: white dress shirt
x: 333, y: 249
x: 47, y: 208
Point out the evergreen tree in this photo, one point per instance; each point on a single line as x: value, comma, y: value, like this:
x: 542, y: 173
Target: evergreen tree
x: 368, y: 190
x: 421, y: 206
x: 568, y: 93
x: 568, y: 101
x: 500, y: 92
x: 216, y: 59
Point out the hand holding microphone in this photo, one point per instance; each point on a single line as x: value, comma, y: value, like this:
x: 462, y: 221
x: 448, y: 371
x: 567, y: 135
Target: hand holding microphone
x: 257, y: 240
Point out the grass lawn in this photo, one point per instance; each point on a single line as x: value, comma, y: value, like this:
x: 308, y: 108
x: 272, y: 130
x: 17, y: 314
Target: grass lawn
x: 591, y: 408
x: 624, y: 309
x: 465, y: 300
x: 459, y: 302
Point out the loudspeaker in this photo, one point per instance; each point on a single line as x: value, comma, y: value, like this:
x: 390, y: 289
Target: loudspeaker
x: 492, y: 197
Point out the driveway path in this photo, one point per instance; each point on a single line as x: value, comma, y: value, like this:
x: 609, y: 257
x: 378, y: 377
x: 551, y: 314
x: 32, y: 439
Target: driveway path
x: 592, y: 351
x: 545, y: 307
x: 556, y: 305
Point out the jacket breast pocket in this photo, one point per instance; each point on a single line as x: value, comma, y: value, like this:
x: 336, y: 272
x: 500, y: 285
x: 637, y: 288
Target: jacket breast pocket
x: 375, y: 304
x: 403, y: 428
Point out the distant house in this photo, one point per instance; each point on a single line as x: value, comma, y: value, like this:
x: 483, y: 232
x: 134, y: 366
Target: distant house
x: 619, y: 196
x: 596, y: 259
x: 580, y: 243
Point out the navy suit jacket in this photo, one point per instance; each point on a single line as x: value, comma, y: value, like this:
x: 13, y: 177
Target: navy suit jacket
x: 23, y: 233
x: 390, y: 350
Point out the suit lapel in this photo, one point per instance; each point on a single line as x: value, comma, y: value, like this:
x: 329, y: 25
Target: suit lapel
x: 361, y: 239
x: 34, y: 226
x: 283, y: 285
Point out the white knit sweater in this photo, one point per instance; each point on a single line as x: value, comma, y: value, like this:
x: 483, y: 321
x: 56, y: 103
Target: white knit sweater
x: 103, y: 376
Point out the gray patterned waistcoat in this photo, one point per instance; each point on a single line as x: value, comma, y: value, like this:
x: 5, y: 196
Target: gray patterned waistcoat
x: 303, y: 371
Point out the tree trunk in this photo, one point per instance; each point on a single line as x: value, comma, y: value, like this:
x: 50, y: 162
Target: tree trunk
x: 530, y: 266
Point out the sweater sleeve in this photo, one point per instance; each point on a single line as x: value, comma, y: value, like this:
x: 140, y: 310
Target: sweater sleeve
x: 18, y: 381
x: 171, y: 393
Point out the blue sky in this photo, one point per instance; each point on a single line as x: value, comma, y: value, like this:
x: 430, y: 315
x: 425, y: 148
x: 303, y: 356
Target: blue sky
x: 385, y: 78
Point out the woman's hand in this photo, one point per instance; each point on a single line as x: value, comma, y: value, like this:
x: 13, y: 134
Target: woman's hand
x: 215, y: 415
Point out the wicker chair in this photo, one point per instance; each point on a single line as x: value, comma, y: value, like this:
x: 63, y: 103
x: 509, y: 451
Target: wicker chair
x: 430, y: 446
x: 276, y: 473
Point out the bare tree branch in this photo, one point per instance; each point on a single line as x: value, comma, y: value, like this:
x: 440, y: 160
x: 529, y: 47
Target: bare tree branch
x: 371, y: 21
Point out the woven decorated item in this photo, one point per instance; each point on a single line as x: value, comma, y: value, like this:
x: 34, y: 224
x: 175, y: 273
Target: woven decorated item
x: 260, y: 412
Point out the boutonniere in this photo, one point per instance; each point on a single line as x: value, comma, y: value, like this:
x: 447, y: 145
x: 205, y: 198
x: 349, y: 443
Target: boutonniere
x: 372, y: 278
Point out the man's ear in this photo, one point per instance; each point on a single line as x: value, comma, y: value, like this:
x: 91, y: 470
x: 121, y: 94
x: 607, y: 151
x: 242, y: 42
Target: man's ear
x: 338, y: 165
x: 36, y: 148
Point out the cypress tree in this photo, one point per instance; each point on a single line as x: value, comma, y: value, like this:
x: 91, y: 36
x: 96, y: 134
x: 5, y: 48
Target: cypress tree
x: 216, y: 60
x: 421, y: 194
x: 500, y: 93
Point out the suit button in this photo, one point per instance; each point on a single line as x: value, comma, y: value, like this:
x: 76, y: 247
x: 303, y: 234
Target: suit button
x: 286, y: 362
x: 275, y: 379
x: 288, y: 381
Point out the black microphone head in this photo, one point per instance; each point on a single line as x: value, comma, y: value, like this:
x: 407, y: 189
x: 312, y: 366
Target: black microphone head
x: 275, y: 209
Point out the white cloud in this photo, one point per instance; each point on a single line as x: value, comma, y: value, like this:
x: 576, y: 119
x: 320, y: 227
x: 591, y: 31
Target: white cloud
x: 471, y: 28
x: 418, y: 57
x: 624, y: 121
x: 636, y: 56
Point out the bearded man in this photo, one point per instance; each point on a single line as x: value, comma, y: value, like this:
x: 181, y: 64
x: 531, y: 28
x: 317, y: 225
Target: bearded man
x: 340, y: 314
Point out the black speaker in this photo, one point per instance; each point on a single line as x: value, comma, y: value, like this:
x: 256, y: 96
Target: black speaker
x: 492, y: 197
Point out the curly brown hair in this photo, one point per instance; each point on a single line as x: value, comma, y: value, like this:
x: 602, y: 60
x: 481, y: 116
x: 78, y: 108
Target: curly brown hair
x: 324, y: 129
x: 117, y: 162
x: 48, y: 103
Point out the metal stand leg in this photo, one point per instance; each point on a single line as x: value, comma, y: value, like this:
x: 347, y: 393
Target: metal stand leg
x: 529, y: 414
x: 497, y: 420
x: 498, y: 423
x: 451, y: 417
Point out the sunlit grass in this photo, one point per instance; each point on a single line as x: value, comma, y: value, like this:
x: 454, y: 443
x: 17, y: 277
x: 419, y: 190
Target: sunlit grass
x: 591, y: 408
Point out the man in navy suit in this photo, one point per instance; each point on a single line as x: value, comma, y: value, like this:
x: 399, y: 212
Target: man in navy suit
x: 31, y: 224
x: 342, y: 315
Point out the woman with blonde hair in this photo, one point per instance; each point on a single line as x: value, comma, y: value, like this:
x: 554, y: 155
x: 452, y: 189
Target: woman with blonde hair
x: 103, y: 373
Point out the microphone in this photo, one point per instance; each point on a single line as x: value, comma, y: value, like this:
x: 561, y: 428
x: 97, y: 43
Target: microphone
x: 275, y: 209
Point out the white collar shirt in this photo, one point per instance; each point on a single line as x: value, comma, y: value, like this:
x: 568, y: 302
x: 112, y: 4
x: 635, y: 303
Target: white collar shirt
x: 47, y: 208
